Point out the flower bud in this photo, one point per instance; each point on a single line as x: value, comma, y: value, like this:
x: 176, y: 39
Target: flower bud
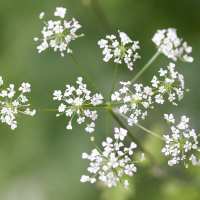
x: 41, y: 15
x: 36, y: 39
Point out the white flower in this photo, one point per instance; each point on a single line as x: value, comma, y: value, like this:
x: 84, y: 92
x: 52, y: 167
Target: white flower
x: 182, y: 141
x: 77, y: 99
x: 97, y: 99
x: 130, y: 151
x: 129, y: 169
x: 61, y: 108
x: 120, y: 133
x: 162, y: 72
x: 159, y: 99
x: 169, y: 118
x: 108, y: 144
x: 80, y: 120
x: 60, y: 12
x: 116, y: 96
x: 10, y: 108
x: 167, y: 150
x: 188, y: 58
x: 110, y: 164
x: 93, y: 115
x: 102, y: 43
x: 118, y: 50
x: 59, y: 33
x: 90, y: 128
x: 170, y: 45
x: 173, y: 84
x: 57, y: 94
x: 135, y: 45
x: 194, y: 161
x: 43, y: 46
x: 123, y: 109
x: 113, y: 161
x: 25, y: 87
x: 132, y: 119
x: 94, y: 167
x: 155, y: 81
x: 133, y: 101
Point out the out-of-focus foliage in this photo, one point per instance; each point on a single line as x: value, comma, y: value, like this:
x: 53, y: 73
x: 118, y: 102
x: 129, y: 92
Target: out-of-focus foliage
x: 41, y: 159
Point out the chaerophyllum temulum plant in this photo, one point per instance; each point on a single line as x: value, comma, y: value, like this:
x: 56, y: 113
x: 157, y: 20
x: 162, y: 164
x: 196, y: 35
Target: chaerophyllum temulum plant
x: 113, y: 161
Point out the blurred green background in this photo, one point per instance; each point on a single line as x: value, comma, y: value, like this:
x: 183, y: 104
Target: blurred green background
x: 41, y: 160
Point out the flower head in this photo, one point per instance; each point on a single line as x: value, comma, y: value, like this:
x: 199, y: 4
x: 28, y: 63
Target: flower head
x: 78, y: 100
x: 170, y: 45
x: 182, y: 141
x: 58, y: 34
x: 111, y: 163
x: 11, y: 108
x: 119, y: 50
x: 134, y: 102
x: 173, y: 85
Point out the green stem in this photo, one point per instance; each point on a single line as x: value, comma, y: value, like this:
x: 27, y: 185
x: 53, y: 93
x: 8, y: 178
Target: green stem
x: 144, y: 68
x: 55, y: 109
x: 148, y: 131
x: 103, y: 105
x: 108, y: 112
x: 97, y: 147
x: 44, y: 110
x: 113, y: 85
x: 108, y: 120
x: 117, y: 104
x: 141, y: 127
x: 86, y: 76
x: 84, y: 106
x: 97, y: 106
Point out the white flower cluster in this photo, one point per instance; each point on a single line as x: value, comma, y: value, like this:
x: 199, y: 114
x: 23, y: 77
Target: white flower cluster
x: 111, y: 163
x: 59, y: 34
x: 11, y: 108
x: 78, y: 104
x: 170, y: 45
x: 133, y: 101
x: 181, y: 141
x: 119, y: 49
x: 173, y: 85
